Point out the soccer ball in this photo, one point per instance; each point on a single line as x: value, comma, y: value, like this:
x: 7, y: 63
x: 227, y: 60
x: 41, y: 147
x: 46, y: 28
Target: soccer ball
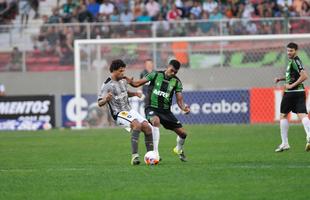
x: 151, y: 158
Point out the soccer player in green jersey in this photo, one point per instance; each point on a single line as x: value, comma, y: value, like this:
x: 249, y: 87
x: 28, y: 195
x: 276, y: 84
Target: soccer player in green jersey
x: 294, y: 97
x: 162, y: 86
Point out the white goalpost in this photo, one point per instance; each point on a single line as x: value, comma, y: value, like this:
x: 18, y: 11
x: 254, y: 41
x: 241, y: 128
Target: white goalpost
x: 78, y: 47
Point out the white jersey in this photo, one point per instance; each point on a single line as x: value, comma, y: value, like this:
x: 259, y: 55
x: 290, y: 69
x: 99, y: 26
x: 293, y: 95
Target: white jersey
x: 119, y: 100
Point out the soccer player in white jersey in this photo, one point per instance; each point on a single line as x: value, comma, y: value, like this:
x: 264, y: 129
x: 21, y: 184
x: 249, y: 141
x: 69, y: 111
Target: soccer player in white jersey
x: 114, y: 92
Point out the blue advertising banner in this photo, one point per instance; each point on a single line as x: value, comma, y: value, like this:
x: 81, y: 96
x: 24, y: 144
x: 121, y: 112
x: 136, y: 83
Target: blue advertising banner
x: 92, y: 115
x: 68, y: 107
x: 207, y: 107
x: 215, y: 107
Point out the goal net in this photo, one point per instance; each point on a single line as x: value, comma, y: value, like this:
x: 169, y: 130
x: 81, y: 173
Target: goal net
x: 226, y: 79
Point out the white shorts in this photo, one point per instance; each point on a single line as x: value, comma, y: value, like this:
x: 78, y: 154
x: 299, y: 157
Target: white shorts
x: 124, y: 118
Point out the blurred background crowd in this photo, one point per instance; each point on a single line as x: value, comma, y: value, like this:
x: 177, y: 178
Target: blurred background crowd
x: 126, y: 11
x: 57, y: 23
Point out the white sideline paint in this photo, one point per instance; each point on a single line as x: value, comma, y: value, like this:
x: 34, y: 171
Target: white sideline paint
x: 254, y: 166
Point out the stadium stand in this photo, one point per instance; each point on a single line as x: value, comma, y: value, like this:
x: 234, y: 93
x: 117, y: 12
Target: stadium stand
x: 49, y: 39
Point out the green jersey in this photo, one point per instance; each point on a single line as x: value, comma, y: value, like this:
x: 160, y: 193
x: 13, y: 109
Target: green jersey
x: 293, y: 69
x: 161, y: 89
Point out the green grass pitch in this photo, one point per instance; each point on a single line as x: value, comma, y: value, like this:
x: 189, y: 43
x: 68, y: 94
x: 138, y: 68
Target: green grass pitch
x: 225, y: 162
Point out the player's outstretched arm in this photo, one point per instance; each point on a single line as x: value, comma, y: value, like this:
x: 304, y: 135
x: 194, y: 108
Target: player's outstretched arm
x: 185, y: 108
x: 134, y: 94
x: 136, y: 83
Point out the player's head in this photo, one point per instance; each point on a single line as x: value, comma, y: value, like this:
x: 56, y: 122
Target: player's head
x: 291, y: 50
x: 173, y: 68
x: 117, y: 68
x: 148, y: 63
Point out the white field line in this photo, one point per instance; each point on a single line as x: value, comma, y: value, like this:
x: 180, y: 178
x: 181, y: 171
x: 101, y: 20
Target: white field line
x: 20, y: 170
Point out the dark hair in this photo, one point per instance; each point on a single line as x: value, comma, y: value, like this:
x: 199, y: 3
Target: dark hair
x: 116, y: 64
x: 148, y: 59
x: 292, y: 45
x: 176, y: 64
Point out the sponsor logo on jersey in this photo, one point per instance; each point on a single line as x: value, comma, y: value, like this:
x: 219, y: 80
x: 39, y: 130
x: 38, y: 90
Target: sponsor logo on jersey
x: 161, y: 93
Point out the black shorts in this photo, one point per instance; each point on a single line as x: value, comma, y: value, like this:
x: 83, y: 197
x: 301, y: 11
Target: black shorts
x: 167, y: 119
x: 293, y: 101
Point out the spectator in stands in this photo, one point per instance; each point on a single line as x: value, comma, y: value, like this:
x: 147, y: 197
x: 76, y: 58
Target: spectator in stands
x: 209, y: 5
x: 248, y: 10
x: 196, y: 9
x: 35, y: 6
x: 126, y: 18
x: 106, y: 28
x: 67, y: 10
x: 153, y: 9
x: 228, y: 11
x: 96, y: 33
x: 55, y: 18
x: 278, y: 27
x: 174, y: 13
x: 144, y: 17
x: 186, y: 8
x: 305, y: 9
x: 251, y: 28
x: 106, y: 9
x: 65, y: 47
x: 122, y: 5
x: 24, y: 9
x: 164, y: 8
x: 205, y: 26
x: 192, y: 25
x: 139, y: 7
x: 241, y: 8
x: 82, y: 15
x: 93, y: 8
x: 216, y: 15
x: 2, y: 89
x: 51, y: 40
x: 179, y: 3
x: 8, y: 11
x: 284, y: 4
x: 115, y: 16
x: 15, y: 63
x: 161, y: 26
x: 79, y: 32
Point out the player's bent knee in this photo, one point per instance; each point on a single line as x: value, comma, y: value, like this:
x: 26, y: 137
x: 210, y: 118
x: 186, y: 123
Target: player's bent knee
x: 135, y: 125
x: 155, y: 121
x: 146, y: 127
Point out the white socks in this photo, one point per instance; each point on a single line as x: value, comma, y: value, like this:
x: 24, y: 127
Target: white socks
x: 284, y: 130
x: 180, y: 143
x: 306, y: 123
x: 156, y: 136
